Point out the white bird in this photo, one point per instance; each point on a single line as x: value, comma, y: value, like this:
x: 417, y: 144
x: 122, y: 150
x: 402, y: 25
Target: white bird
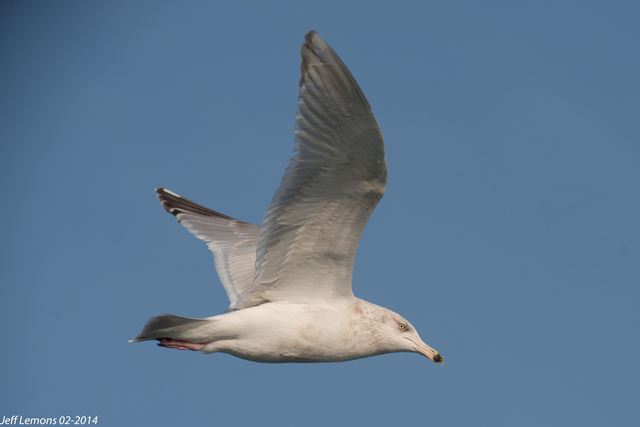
x: 289, y: 280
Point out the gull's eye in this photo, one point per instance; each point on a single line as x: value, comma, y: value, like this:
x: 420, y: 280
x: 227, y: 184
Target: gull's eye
x: 403, y: 326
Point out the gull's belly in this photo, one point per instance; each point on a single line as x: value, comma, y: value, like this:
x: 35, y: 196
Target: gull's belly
x: 296, y: 333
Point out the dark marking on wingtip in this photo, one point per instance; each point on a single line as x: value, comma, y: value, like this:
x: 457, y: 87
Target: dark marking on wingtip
x: 310, y: 34
x: 176, y: 204
x: 309, y: 53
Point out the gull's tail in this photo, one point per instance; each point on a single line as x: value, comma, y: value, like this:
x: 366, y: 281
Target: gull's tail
x: 171, y: 327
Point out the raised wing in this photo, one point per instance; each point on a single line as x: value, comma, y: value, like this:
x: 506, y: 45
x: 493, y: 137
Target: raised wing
x: 232, y: 242
x: 334, y: 180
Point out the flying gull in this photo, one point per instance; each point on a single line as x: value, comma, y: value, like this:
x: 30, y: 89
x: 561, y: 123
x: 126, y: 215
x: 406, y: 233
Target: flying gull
x: 289, y: 279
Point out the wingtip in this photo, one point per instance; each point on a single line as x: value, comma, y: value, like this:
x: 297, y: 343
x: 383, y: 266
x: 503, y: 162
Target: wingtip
x: 163, y: 197
x: 314, y: 42
x: 163, y: 190
x: 168, y: 199
x: 310, y: 52
x: 175, y: 204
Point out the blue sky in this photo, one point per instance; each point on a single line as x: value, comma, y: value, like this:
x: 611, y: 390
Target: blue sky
x: 509, y: 233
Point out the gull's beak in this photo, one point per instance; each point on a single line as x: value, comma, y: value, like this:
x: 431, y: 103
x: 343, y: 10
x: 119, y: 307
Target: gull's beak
x: 429, y: 353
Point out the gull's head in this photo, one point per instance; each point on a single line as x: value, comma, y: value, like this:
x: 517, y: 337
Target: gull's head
x: 401, y: 335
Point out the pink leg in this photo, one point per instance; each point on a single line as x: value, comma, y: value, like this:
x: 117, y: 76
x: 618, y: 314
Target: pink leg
x: 179, y: 345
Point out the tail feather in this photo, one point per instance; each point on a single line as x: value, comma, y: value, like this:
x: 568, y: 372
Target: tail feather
x: 173, y: 327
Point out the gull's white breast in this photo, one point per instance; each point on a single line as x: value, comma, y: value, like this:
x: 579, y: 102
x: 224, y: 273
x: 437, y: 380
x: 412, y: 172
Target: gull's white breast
x: 296, y: 332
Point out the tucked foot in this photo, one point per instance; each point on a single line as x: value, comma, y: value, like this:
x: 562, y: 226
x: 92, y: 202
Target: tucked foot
x: 179, y: 345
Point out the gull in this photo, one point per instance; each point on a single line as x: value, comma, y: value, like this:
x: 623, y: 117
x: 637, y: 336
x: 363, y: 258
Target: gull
x: 289, y: 279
